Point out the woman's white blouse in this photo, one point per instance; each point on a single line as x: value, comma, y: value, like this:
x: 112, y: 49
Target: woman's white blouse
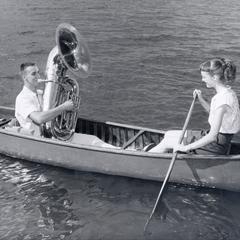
x: 231, y: 118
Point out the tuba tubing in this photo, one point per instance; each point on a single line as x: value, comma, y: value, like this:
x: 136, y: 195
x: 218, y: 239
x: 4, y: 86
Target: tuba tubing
x: 71, y: 54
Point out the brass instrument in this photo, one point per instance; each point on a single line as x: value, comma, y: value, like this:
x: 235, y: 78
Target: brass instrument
x: 70, y: 54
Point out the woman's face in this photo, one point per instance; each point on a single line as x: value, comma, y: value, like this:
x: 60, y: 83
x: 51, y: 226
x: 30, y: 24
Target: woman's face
x: 208, y: 79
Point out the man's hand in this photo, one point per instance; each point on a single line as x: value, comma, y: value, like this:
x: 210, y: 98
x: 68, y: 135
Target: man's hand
x: 68, y: 105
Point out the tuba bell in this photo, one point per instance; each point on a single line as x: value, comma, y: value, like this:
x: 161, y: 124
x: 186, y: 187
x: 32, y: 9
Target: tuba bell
x: 71, y: 54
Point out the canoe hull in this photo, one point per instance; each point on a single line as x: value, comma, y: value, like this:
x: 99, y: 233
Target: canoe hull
x: 220, y: 172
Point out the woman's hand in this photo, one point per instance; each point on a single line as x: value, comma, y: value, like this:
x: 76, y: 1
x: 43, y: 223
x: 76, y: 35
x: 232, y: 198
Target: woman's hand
x: 180, y: 148
x: 197, y: 93
x: 202, y: 101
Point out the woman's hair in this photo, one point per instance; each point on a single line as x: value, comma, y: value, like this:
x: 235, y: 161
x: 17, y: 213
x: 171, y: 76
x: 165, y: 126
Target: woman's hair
x: 222, y: 67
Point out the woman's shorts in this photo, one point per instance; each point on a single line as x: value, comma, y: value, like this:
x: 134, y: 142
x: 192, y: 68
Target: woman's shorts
x: 221, y: 146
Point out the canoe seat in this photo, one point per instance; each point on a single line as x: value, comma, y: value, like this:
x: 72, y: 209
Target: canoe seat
x: 20, y: 130
x: 4, y: 121
x: 13, y: 123
x: 26, y: 131
x: 13, y: 129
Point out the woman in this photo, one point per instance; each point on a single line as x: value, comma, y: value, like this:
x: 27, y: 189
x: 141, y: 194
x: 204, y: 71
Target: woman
x: 224, y: 113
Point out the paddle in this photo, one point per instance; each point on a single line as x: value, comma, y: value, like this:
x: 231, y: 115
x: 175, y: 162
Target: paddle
x: 172, y: 162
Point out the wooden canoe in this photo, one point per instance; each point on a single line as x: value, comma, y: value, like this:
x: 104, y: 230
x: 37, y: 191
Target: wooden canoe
x: 129, y: 160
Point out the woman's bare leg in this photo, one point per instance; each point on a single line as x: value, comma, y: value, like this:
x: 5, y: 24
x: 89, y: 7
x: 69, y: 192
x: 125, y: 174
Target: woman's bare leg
x: 170, y: 139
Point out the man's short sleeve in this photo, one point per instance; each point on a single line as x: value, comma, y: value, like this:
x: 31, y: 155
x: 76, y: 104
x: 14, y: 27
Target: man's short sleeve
x: 25, y: 107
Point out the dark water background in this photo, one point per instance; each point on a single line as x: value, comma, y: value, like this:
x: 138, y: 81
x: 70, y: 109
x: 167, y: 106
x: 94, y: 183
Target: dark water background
x: 146, y: 56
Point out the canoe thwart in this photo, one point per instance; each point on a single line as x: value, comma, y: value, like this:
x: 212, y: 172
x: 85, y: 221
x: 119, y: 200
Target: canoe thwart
x: 131, y: 140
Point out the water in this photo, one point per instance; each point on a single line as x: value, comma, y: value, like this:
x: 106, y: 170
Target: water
x: 146, y: 56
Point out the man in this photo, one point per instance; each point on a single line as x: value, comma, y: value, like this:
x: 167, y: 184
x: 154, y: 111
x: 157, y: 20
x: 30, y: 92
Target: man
x: 28, y: 107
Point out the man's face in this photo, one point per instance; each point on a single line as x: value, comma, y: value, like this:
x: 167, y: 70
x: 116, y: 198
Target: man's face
x: 31, y: 75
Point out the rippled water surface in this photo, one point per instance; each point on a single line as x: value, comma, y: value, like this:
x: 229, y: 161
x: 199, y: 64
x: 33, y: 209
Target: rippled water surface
x: 146, y: 56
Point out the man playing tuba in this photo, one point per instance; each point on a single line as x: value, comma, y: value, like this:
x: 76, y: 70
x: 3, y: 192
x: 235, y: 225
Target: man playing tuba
x: 57, y: 110
x: 28, y: 107
x: 51, y: 94
x: 70, y: 54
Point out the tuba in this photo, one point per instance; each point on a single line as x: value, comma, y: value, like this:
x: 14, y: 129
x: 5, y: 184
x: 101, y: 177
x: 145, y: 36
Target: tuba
x: 70, y: 55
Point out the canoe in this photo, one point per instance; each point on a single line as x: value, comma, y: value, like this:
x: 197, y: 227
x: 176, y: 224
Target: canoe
x: 128, y: 159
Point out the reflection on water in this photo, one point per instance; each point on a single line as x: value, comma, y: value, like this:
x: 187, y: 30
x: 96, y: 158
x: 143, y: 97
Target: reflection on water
x: 41, y: 202
x: 32, y: 206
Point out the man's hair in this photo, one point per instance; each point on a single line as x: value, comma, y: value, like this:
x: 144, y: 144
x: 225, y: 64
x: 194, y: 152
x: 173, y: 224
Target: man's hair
x: 23, y: 66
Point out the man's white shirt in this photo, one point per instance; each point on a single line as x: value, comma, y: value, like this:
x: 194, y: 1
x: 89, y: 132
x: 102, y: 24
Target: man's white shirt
x: 27, y: 102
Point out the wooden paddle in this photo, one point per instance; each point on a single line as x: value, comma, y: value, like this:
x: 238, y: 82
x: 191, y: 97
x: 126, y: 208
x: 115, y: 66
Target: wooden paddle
x: 170, y: 168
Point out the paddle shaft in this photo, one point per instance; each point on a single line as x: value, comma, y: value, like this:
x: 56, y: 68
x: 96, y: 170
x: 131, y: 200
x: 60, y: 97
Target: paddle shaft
x: 170, y: 168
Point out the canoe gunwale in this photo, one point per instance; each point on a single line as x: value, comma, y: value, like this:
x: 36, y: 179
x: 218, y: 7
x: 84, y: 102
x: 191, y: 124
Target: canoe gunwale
x: 122, y: 151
